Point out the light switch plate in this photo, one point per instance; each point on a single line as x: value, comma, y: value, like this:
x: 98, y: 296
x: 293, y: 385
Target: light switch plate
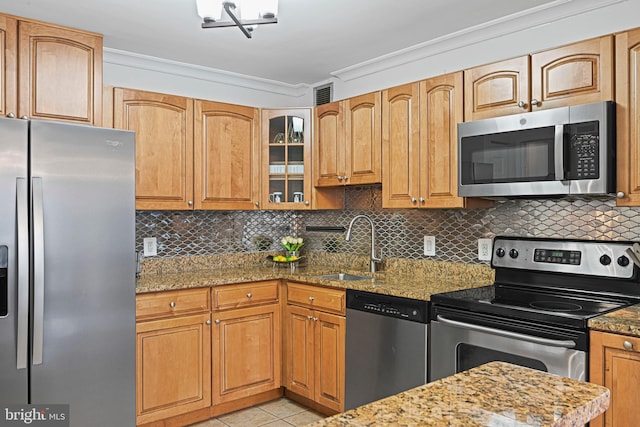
x: 150, y: 246
x: 429, y: 245
x: 484, y: 249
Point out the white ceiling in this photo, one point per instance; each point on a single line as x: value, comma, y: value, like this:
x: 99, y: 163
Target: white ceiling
x: 312, y: 39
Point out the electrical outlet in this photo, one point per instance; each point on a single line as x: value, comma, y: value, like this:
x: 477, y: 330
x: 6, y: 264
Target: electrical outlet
x: 429, y: 245
x: 484, y: 249
x: 150, y: 246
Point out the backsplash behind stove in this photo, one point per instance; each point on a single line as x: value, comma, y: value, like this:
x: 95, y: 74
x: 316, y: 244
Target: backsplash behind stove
x: 399, y: 231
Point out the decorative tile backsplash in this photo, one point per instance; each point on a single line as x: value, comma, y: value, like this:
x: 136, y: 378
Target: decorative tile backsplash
x: 400, y: 232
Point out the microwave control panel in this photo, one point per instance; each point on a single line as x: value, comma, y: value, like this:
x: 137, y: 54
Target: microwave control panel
x: 584, y: 150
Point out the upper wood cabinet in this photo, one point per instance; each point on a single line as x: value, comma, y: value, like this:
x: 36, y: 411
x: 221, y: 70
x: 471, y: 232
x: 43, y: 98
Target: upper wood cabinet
x: 191, y: 154
x: 227, y: 156
x: 50, y: 72
x: 8, y: 65
x: 164, y: 146
x: 628, y: 117
x: 614, y: 362
x: 401, y: 146
x: 578, y: 73
x: 348, y: 141
x: 420, y: 145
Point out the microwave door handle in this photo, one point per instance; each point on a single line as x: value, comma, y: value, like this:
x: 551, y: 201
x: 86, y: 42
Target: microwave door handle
x: 558, y: 153
x: 508, y: 334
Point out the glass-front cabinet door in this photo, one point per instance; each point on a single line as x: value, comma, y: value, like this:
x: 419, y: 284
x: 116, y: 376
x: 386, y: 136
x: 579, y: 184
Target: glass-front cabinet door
x: 286, y: 145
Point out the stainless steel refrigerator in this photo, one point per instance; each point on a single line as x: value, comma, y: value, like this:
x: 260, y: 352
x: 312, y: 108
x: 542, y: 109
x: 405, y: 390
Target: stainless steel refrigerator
x: 67, y: 270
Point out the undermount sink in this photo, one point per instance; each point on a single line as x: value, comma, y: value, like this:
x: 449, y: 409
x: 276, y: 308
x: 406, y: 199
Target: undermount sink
x: 344, y: 276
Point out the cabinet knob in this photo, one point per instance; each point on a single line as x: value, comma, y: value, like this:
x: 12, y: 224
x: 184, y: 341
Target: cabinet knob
x: 311, y: 298
x: 208, y: 322
x: 421, y: 199
x: 535, y: 102
x: 306, y: 202
x: 24, y: 118
x: 413, y: 200
x: 249, y: 295
x: 346, y: 178
x: 190, y: 202
x: 257, y: 203
x: 522, y: 104
x: 309, y: 317
x: 11, y: 115
x: 172, y: 304
x: 628, y: 345
x: 339, y: 177
x: 620, y: 194
x: 217, y: 321
x: 315, y: 319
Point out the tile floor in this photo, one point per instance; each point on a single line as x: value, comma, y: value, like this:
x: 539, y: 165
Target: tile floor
x: 277, y: 413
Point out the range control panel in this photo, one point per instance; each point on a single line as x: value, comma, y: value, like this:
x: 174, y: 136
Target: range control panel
x: 387, y: 305
x: 609, y: 259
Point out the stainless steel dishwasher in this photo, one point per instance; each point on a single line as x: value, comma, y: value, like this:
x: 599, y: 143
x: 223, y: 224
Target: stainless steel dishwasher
x: 386, y: 348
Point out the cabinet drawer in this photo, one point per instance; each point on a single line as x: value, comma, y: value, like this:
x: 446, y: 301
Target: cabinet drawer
x: 316, y: 297
x: 245, y: 294
x: 172, y: 303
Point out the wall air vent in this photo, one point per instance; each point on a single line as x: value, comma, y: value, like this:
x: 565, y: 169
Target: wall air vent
x: 323, y: 94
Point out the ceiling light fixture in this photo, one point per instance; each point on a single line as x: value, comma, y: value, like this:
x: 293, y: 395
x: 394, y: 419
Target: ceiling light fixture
x: 246, y: 14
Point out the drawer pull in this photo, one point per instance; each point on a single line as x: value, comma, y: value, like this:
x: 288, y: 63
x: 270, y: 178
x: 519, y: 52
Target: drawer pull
x: 172, y: 304
x: 311, y: 299
x: 628, y: 345
x: 249, y: 295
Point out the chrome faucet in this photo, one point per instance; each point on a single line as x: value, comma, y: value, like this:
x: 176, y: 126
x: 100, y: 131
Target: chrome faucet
x: 374, y: 259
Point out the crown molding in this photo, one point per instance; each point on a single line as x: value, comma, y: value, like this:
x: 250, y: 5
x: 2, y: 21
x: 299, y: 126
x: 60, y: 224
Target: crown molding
x: 181, y: 69
x: 510, y: 24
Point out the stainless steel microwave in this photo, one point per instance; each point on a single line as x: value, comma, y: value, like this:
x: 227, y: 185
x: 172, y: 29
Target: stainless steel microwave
x: 555, y: 152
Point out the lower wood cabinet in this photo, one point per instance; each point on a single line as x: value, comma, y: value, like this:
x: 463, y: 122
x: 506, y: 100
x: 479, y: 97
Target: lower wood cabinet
x: 315, y: 344
x: 173, y: 357
x: 615, y: 364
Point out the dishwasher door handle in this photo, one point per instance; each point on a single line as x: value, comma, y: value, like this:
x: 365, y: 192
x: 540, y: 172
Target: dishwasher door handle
x: 508, y: 334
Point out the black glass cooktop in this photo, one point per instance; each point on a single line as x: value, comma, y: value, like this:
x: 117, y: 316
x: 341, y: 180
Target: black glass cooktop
x: 545, y: 305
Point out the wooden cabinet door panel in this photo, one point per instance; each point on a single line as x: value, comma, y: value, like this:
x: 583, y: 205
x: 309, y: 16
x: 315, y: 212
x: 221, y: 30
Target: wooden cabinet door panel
x: 164, y: 146
x: 329, y: 337
x: 579, y: 73
x: 363, y: 139
x: 628, y: 117
x: 299, y: 351
x: 8, y: 65
x: 329, y: 144
x: 400, y: 146
x: 615, y: 364
x: 61, y: 73
x: 173, y: 368
x: 226, y: 156
x: 497, y: 89
x: 441, y: 108
x: 246, y: 348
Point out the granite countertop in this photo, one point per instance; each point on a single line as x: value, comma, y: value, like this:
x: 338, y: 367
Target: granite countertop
x: 495, y: 394
x: 624, y: 321
x: 397, y: 283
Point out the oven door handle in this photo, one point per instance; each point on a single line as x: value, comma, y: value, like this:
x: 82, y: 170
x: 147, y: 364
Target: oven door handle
x: 508, y: 334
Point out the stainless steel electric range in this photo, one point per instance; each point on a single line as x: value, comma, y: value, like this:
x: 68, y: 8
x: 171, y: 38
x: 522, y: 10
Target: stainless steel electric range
x: 536, y: 312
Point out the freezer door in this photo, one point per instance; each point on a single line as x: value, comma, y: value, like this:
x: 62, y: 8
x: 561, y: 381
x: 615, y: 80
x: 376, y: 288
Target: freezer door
x: 83, y: 196
x: 13, y: 176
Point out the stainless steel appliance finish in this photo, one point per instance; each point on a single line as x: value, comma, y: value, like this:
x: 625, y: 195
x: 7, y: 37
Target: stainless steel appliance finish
x: 386, y: 348
x: 67, y: 222
x: 536, y: 312
x: 562, y: 151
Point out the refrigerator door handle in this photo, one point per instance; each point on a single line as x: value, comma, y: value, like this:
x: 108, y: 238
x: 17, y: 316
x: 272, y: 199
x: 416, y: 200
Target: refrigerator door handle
x: 38, y: 270
x: 22, y: 223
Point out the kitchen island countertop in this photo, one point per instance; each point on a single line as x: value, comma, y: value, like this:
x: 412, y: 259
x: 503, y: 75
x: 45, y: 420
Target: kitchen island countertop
x: 494, y: 394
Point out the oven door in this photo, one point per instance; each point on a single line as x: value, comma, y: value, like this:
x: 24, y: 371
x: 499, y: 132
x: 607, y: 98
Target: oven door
x: 458, y: 343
